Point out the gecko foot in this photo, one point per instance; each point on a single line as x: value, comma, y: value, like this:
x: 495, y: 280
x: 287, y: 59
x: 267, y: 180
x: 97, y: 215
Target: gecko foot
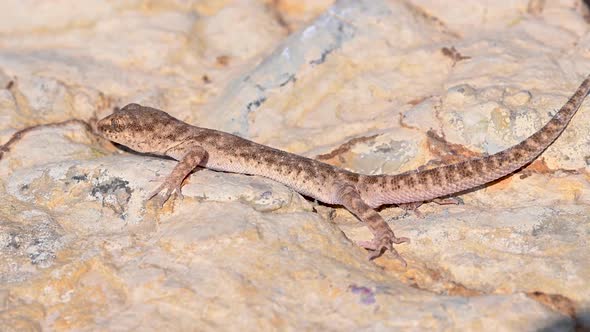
x: 378, y: 245
x: 169, y: 187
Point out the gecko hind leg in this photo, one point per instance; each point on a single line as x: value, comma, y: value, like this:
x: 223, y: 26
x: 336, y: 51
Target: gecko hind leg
x: 383, y: 236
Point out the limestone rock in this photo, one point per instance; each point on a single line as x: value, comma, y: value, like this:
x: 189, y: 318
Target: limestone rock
x: 374, y: 86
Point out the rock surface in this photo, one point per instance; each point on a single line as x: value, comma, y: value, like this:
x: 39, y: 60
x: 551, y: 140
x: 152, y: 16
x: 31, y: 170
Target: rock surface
x: 374, y: 86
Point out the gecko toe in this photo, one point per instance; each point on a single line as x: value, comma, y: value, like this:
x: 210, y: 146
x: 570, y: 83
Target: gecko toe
x: 375, y: 254
x: 397, y: 256
x: 155, y: 192
x: 163, y: 193
x: 378, y: 246
x: 399, y: 240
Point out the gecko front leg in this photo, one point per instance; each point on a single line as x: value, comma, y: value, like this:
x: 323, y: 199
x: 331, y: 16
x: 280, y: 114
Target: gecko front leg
x: 189, y: 156
x: 383, y: 236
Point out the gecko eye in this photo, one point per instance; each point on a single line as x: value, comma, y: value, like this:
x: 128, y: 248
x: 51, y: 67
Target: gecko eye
x: 117, y: 125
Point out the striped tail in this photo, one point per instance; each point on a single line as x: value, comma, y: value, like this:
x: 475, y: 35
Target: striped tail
x: 419, y: 186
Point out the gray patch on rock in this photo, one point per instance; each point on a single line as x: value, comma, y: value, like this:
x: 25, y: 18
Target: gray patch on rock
x: 341, y: 32
x: 38, y: 239
x: 556, y: 228
x: 255, y: 104
x: 114, y: 193
x: 395, y: 148
x: 267, y: 201
x: 79, y: 178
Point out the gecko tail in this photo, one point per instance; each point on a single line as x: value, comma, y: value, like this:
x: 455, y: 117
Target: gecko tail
x: 417, y: 186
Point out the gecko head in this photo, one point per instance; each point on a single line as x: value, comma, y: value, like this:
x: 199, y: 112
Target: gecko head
x: 137, y: 127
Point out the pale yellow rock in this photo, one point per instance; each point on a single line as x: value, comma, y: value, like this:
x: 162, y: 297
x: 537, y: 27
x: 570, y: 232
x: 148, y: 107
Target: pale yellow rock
x: 217, y: 39
x: 357, y: 84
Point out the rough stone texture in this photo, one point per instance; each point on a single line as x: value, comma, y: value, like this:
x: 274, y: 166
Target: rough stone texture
x: 374, y: 86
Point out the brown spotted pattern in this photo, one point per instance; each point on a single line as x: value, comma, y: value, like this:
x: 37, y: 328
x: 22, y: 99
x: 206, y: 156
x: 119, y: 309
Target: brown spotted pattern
x: 149, y: 130
x: 419, y: 186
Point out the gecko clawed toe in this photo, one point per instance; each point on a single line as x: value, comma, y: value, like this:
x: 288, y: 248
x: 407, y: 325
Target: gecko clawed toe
x: 170, y: 188
x: 150, y: 130
x: 379, y: 245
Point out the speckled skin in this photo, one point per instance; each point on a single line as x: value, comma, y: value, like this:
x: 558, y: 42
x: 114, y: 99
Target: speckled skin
x: 149, y: 130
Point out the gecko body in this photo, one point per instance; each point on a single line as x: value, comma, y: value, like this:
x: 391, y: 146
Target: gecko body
x: 149, y: 130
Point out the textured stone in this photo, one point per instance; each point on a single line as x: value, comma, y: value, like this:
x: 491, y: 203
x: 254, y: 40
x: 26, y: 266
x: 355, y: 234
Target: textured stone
x: 374, y: 86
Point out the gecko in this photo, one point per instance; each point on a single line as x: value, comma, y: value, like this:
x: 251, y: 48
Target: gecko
x: 149, y: 130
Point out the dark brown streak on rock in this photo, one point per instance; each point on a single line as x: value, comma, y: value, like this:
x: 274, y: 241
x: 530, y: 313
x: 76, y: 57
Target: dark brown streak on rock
x: 453, y: 54
x: 17, y: 136
x: 448, y: 152
x: 345, y: 147
x: 278, y: 15
x: 556, y: 302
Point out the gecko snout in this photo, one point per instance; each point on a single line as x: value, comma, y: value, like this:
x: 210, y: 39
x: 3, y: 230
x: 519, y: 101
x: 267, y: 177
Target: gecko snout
x: 111, y: 126
x: 105, y: 125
